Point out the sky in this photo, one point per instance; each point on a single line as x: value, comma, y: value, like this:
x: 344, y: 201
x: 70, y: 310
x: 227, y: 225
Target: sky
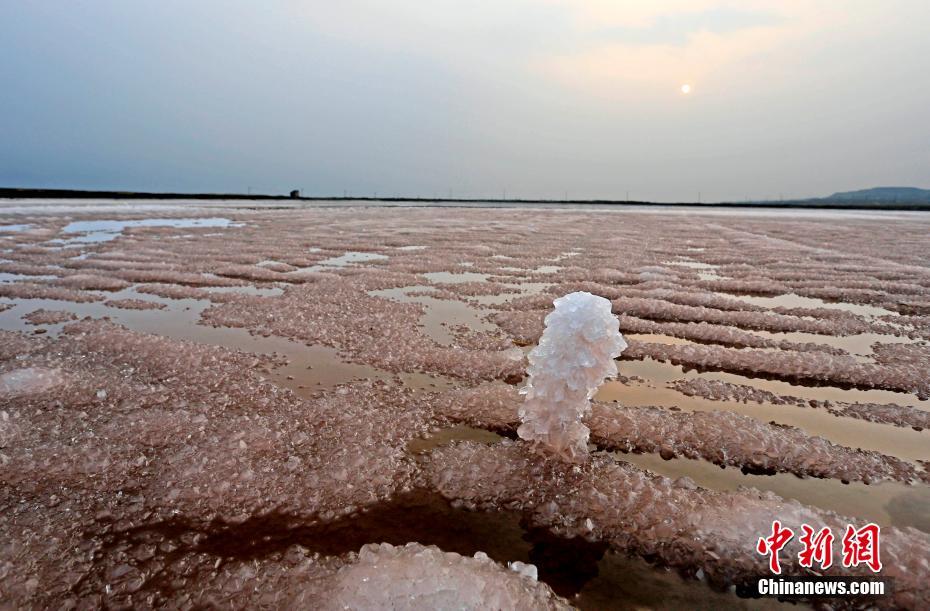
x: 478, y: 98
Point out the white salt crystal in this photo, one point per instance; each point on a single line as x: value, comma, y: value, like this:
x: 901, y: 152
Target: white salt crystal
x: 527, y: 570
x: 575, y: 354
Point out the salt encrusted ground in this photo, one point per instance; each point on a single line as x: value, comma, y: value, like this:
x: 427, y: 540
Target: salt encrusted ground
x: 208, y: 412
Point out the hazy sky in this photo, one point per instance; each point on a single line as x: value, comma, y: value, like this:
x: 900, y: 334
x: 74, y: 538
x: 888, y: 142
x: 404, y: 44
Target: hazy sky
x: 417, y: 97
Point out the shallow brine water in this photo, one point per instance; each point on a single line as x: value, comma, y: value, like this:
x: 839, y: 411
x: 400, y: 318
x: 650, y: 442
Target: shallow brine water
x: 280, y: 387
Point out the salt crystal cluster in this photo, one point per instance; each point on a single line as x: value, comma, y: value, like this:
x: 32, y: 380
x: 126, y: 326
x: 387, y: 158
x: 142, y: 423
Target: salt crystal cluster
x: 48, y: 317
x: 29, y: 381
x: 420, y: 577
x: 673, y: 521
x: 837, y: 370
x: 134, y: 304
x: 730, y: 439
x: 720, y: 437
x: 885, y: 413
x: 575, y: 354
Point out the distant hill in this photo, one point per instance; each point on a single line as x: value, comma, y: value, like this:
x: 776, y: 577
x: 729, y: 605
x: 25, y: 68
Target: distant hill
x: 884, y: 194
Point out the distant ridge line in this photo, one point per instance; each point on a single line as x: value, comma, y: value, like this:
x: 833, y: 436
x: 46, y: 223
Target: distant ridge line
x: 830, y: 203
x: 885, y: 194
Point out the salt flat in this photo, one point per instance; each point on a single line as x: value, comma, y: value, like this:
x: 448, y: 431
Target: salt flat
x: 197, y: 399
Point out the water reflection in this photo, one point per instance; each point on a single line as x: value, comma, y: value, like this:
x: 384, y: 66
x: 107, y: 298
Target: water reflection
x: 104, y: 231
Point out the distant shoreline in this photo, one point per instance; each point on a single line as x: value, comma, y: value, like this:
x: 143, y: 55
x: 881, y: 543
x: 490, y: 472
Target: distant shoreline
x: 824, y: 203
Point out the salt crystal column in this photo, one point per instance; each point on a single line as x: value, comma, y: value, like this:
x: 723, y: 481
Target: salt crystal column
x: 574, y: 356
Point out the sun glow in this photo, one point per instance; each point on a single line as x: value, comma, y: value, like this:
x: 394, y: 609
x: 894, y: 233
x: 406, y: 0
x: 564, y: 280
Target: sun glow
x: 686, y: 89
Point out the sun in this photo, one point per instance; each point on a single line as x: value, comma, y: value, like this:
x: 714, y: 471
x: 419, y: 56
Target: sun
x: 686, y: 89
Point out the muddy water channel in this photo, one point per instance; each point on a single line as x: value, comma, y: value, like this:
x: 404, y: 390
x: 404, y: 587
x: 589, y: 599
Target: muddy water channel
x: 370, y: 326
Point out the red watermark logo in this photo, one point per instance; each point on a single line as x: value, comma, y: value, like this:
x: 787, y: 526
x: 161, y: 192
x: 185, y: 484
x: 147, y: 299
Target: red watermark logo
x: 859, y: 546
